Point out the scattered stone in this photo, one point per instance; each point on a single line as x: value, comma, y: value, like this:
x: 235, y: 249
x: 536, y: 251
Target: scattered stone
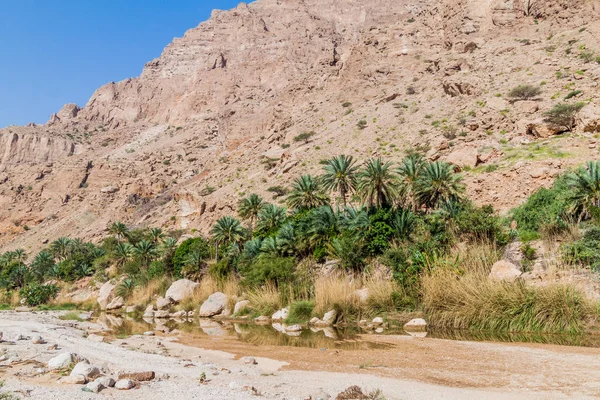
x: 181, y: 289
x: 130, y: 309
x: 109, y: 189
x: 37, y: 340
x: 116, y: 303
x: 137, y: 376
x: 94, y: 387
x: 249, y: 360
x: 505, y: 271
x: 148, y: 333
x: 262, y: 319
x: 105, y: 294
x: 178, y: 314
x: 320, y: 395
x: 124, y: 384
x: 106, y: 381
x: 281, y: 315
x: 240, y: 306
x: 416, y: 324
x: 61, y: 361
x: 314, y: 321
x: 86, y: 370
x: 293, y: 328
x: 162, y: 303
x: 161, y: 314
x: 95, y: 338
x: 85, y: 316
x: 377, y: 321
x: 214, y: 305
x: 330, y: 317
x: 149, y: 312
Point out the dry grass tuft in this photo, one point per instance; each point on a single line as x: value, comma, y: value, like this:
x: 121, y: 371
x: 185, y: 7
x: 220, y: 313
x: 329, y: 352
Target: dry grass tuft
x: 265, y: 300
x: 336, y: 292
x: 145, y: 294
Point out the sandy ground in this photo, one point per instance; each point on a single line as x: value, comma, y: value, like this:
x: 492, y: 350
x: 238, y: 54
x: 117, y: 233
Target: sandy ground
x: 404, y: 368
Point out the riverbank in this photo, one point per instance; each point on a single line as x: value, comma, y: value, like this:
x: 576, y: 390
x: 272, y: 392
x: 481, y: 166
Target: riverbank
x: 403, y: 367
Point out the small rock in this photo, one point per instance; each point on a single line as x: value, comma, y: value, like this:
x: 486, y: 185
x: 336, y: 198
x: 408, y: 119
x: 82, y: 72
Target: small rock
x: 94, y: 387
x: 61, y: 361
x: 416, y: 324
x: 85, y: 369
x: 377, y: 321
x: 109, y: 189
x: 262, y: 319
x: 149, y: 312
x: 240, y: 306
x: 161, y: 314
x: 249, y: 360
x: 162, y: 303
x: 106, y: 381
x: 37, y: 340
x: 293, y: 328
x: 130, y: 309
x: 281, y: 314
x: 95, y: 338
x: 330, y: 317
x: 148, y: 333
x: 137, y: 376
x: 124, y: 384
x: 505, y: 271
x: 320, y: 395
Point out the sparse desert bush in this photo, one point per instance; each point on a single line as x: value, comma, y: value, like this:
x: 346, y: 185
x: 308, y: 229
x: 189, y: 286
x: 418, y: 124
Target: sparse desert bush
x: 304, y: 136
x: 525, y: 92
x: 563, y: 115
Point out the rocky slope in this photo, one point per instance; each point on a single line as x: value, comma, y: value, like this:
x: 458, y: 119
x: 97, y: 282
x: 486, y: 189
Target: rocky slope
x: 215, y: 116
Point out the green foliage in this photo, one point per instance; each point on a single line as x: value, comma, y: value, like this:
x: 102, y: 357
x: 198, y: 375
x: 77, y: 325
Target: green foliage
x: 307, y: 193
x: 197, y: 246
x: 35, y: 294
x: 525, y: 92
x: 378, y: 236
x: 480, y: 224
x: 349, y: 251
x: 268, y: 268
x: 544, y: 211
x: 585, y: 186
x: 304, y: 137
x: 300, y: 312
x: 563, y: 115
x: 584, y: 252
x: 573, y: 94
x: 125, y: 288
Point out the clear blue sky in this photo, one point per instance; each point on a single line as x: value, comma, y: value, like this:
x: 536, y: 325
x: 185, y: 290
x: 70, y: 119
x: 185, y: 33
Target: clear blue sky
x: 54, y: 52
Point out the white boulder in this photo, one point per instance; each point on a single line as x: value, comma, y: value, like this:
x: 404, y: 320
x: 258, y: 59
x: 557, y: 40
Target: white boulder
x: 214, y: 305
x: 181, y: 289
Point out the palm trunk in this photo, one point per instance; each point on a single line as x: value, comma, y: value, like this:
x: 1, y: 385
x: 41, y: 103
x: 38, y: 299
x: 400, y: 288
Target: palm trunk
x: 217, y: 252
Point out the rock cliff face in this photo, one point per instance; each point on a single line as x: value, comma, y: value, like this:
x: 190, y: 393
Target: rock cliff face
x: 216, y: 114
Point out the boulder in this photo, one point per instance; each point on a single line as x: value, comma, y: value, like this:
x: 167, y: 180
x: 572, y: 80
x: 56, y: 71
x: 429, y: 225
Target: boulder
x: 214, y: 305
x: 240, y: 306
x: 149, y: 312
x: 106, y: 381
x: 124, y: 384
x: 460, y: 85
x: 330, y: 317
x: 86, y: 370
x: 588, y: 119
x: 162, y: 303
x: 541, y: 129
x: 61, y: 361
x: 94, y: 387
x: 181, y: 289
x: 116, y: 303
x: 137, y: 376
x: 281, y: 315
x: 505, y: 271
x: 416, y: 324
x: 463, y: 157
x: 106, y: 294
x: 527, y: 106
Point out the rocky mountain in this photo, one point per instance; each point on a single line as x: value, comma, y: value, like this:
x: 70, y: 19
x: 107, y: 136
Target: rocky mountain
x: 215, y: 116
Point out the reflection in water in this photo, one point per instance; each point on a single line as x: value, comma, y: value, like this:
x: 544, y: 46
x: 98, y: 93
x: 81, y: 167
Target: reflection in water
x: 312, y: 337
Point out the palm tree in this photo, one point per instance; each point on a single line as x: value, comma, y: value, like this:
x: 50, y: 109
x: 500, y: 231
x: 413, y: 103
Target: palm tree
x: 409, y: 171
x: 145, y: 251
x: 41, y: 265
x: 270, y: 218
x: 156, y: 235
x: 118, y: 229
x: 340, y: 175
x: 586, y: 188
x: 226, y: 230
x: 403, y: 224
x: 438, y: 184
x: 377, y: 183
x: 250, y: 207
x: 306, y: 194
x: 122, y: 253
x: 20, y: 255
x: 60, y: 248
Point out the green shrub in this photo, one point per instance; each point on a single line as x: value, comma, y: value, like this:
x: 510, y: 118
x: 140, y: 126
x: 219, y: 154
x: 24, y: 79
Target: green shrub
x: 584, y: 252
x: 563, y: 115
x: 573, y: 94
x: 187, y: 247
x: 35, y: 294
x: 300, y: 312
x: 477, y: 224
x: 269, y: 268
x: 304, y: 136
x: 525, y: 92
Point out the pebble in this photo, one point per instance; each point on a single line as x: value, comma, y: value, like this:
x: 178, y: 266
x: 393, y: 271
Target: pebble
x: 124, y: 384
x: 37, y: 339
x: 249, y: 360
x: 94, y: 387
x: 149, y: 333
x: 106, y: 381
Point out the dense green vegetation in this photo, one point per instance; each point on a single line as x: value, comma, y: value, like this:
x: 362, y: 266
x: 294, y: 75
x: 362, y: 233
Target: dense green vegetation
x: 409, y: 217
